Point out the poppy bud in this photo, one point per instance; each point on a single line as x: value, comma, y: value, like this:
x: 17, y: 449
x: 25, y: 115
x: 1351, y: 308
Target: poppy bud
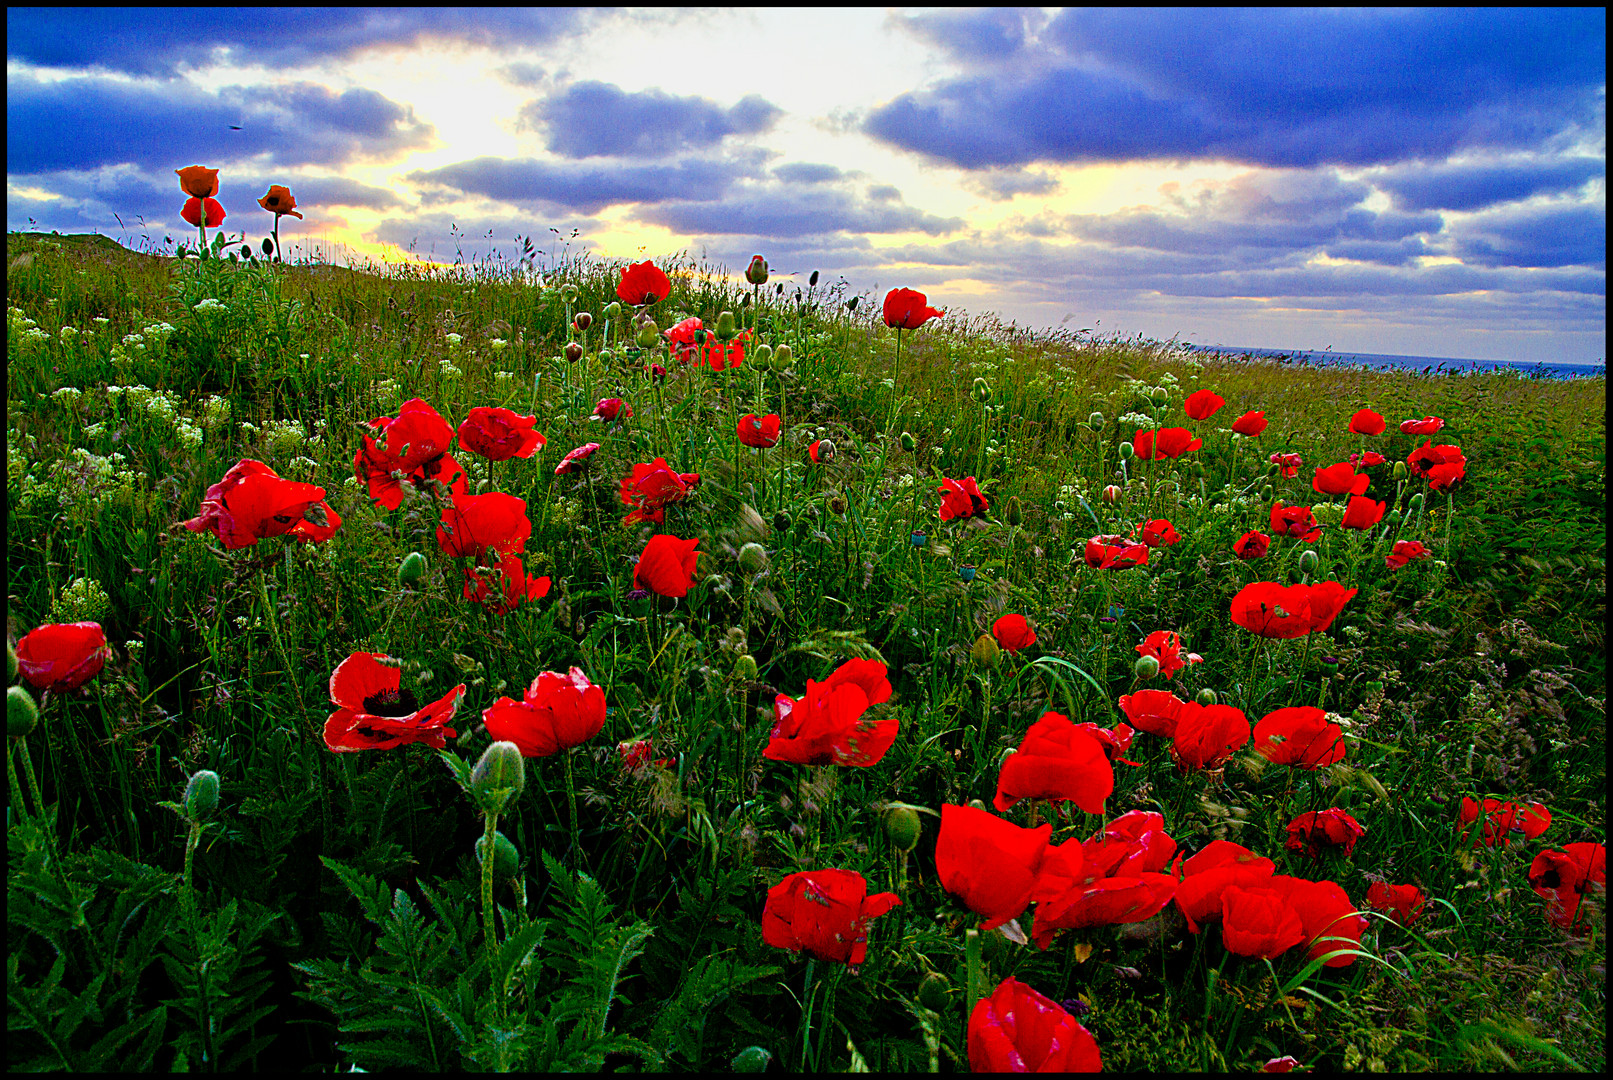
x: 568, y: 293
x: 1266, y: 493
x: 583, y: 320
x: 902, y: 827
x: 1197, y: 469
x: 506, y: 860
x: 573, y: 352
x: 826, y: 450
x: 201, y: 796
x: 268, y: 246
x: 744, y: 301
x: 1012, y: 513
x: 1391, y: 518
x: 11, y: 663
x: 1399, y: 471
x: 978, y: 805
x: 752, y: 1059
x: 1126, y: 450
x: 812, y: 281
x: 933, y: 991
x: 411, y: 568
x: 21, y: 712
x: 612, y: 310
x: 781, y: 522
x: 981, y: 391
x: 745, y: 666
x: 908, y: 442
x: 837, y: 504
x: 756, y: 272
x: 1307, y: 561
x: 753, y: 558
x: 1206, y: 696
x: 648, y: 335
x: 725, y: 329
x: 851, y: 305
x: 1417, y: 501
x: 985, y: 652
x: 763, y: 354
x: 1146, y: 667
x: 498, y: 777
x: 781, y: 358
x: 1095, y: 421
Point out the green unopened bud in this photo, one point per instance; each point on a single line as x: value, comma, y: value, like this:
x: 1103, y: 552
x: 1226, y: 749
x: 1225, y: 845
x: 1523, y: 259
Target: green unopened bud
x: 1013, y: 513
x: 1159, y: 394
x: 934, y: 991
x: 583, y: 320
x: 612, y: 310
x: 1391, y: 519
x: 902, y: 827
x: 201, y: 796
x: 763, y: 355
x: 648, y: 335
x: 1206, y: 696
x: 985, y: 652
x: 981, y: 391
x: 978, y: 804
x: 11, y: 663
x: 1307, y: 561
x: 752, y: 1059
x: 1197, y: 469
x: 745, y: 666
x: 1126, y: 450
x: 753, y: 558
x: 781, y: 358
x: 506, y: 859
x: 412, y: 568
x: 21, y: 712
x: 756, y: 272
x: 909, y: 443
x: 725, y: 330
x: 1146, y: 667
x: 568, y: 293
x: 498, y: 777
x: 1266, y: 493
x: 837, y: 502
x: 1416, y: 501
x: 1095, y: 421
x: 1399, y: 471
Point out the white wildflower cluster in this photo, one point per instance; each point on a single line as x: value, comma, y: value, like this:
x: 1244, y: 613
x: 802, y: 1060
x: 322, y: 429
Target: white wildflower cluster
x: 1140, y: 420
x: 211, y: 304
x: 68, y: 333
x: 17, y: 320
x: 454, y: 340
x: 67, y: 395
x: 83, y: 600
x: 157, y: 334
x: 1328, y: 513
x: 498, y: 344
x: 304, y: 467
x: 100, y: 322
x: 449, y: 371
x: 503, y: 376
x: 83, y: 483
x: 158, y: 407
x: 284, y: 438
x: 215, y: 412
x: 386, y: 393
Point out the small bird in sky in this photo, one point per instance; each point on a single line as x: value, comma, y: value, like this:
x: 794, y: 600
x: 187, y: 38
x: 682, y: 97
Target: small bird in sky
x: 235, y: 127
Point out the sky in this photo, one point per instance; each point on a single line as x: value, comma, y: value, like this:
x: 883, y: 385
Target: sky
x: 1428, y: 182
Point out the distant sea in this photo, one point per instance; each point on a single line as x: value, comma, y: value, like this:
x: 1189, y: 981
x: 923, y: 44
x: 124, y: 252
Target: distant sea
x: 1427, y: 365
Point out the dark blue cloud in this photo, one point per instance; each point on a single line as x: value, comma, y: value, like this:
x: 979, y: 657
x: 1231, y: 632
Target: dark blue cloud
x: 1476, y: 185
x: 595, y: 119
x: 1534, y: 236
x: 1272, y: 87
x: 801, y: 172
x: 979, y: 35
x: 794, y: 212
x: 585, y: 189
x: 163, y: 41
x: 1002, y: 184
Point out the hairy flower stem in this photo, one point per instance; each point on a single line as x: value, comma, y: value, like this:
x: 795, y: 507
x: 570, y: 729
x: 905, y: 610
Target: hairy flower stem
x: 13, y: 785
x: 489, y: 934
x: 577, y: 858
x: 279, y: 643
x: 896, y: 371
x: 977, y: 973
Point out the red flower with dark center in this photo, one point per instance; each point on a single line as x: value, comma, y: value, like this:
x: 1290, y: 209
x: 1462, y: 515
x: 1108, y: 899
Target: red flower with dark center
x: 827, y: 726
x: 1013, y: 633
x: 253, y: 503
x: 990, y: 864
x: 682, y: 339
x: 961, y: 499
x: 1207, y: 735
x: 1058, y: 762
x: 652, y: 487
x: 1258, y: 922
x: 197, y: 181
x: 1287, y: 464
x: 1564, y: 878
x: 1250, y: 424
x: 825, y: 914
x: 1171, y: 442
x: 1115, y: 553
x: 1300, y: 737
x: 1208, y: 874
x: 279, y: 201
x: 1441, y: 466
x: 1316, y: 830
x: 499, y: 434
x: 474, y: 524
x: 576, y: 460
x: 1363, y: 513
x: 1017, y: 1029
x: 1428, y: 425
x: 59, y: 657
x: 1404, y: 902
x: 1295, y: 521
x: 1251, y: 545
x: 643, y: 283
x: 1325, y: 600
x: 1153, y: 711
x: 1340, y: 479
x: 1158, y: 533
x: 503, y: 588
x: 667, y: 566
x: 611, y: 409
x: 1166, y: 647
x: 193, y: 210
x: 374, y: 712
x: 760, y: 432
x: 1272, y: 610
x: 906, y: 309
x: 415, y: 448
x: 558, y: 711
x: 1505, y: 820
x: 1405, y: 551
x: 1203, y: 404
x: 1367, y: 422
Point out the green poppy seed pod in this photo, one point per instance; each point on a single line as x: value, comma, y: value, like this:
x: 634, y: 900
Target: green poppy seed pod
x: 21, y: 712
x: 752, y: 1059
x: 498, y: 777
x: 902, y: 827
x: 1417, y: 501
x: 1307, y: 561
x: 201, y: 796
x: 612, y: 310
x: 1126, y: 450
x: 573, y: 352
x: 781, y: 522
x: 745, y: 666
x: 568, y: 293
x: 1013, y: 513
x: 648, y: 335
x: 11, y: 663
x: 909, y: 443
x: 985, y: 652
x: 934, y: 990
x: 506, y: 860
x: 1399, y: 471
x: 763, y: 355
x: 1146, y: 667
x: 412, y: 568
x: 753, y: 558
x: 1206, y: 696
x: 583, y: 320
x: 1197, y: 469
x: 781, y: 358
x: 1095, y: 421
x: 756, y: 272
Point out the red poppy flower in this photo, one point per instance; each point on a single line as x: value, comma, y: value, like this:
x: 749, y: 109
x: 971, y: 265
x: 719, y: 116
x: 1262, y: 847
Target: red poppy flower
x: 1166, y: 647
x: 1563, y: 878
x: 652, y: 487
x: 59, y: 657
x: 1404, y: 902
x: 1133, y: 843
x: 906, y: 309
x: 1340, y: 479
x: 374, y: 712
x: 1251, y: 545
x: 1208, y: 874
x: 279, y: 201
x: 1315, y: 830
x: 1325, y: 600
x: 1171, y: 442
x: 253, y: 503
x: 1367, y: 422
x: 1505, y: 819
x: 666, y: 567
x: 1441, y: 466
x: 1102, y: 901
x: 1288, y: 464
x: 504, y: 587
x: 576, y: 460
x: 1258, y: 922
x: 1017, y: 1029
x: 990, y: 864
x: 1056, y: 761
x: 724, y: 357
x: 1282, y: 1064
x: 1328, y: 916
x: 1426, y: 426
x: 193, y: 210
x: 1207, y: 735
x: 681, y: 336
x: 556, y: 713
x: 1272, y: 610
x: 1115, y: 741
x: 1299, y: 736
x: 1115, y: 553
x: 611, y: 409
x: 643, y: 283
x: 1295, y: 521
x: 1405, y: 551
x: 1202, y: 404
x: 1250, y: 424
x: 1363, y: 513
x: 473, y: 524
x: 635, y: 754
x: 198, y: 181
x: 1368, y: 459
x: 1013, y: 633
x: 499, y: 434
x: 826, y: 725
x: 819, y: 457
x: 962, y: 499
x: 415, y: 448
x: 1158, y: 533
x: 825, y: 914
x: 1153, y: 711
x: 760, y: 432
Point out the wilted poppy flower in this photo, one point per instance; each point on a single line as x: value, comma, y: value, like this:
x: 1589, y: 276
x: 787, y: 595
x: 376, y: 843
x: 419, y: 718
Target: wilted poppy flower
x: 1206, y: 735
x: 374, y: 712
x: 961, y: 499
x: 1017, y: 1029
x: 473, y: 524
x: 1287, y: 464
x: 197, y: 181
x: 1315, y: 830
x: 906, y: 309
x: 1505, y: 820
x: 1426, y: 426
x: 1251, y: 545
x: 635, y: 754
x: 576, y: 460
x: 1272, y: 610
x: 1299, y: 736
x: 1563, y: 878
x: 1296, y: 521
x: 681, y: 336
x: 1404, y: 902
x: 667, y: 565
x: 279, y: 202
x: 1202, y: 404
x: 1441, y: 466
x: 499, y: 434
x: 611, y: 409
x: 826, y: 725
x: 643, y: 283
x: 1363, y: 513
x: 1405, y: 551
x: 1153, y: 711
x: 1258, y: 922
x: 59, y: 657
x: 1171, y: 442
x: 1013, y: 633
x: 1325, y: 600
x: 1115, y: 553
x: 558, y: 711
x: 1340, y: 479
x: 651, y: 487
x: 1158, y: 533
x: 823, y: 913
x: 1166, y: 647
x: 504, y: 587
x: 253, y: 503
x: 990, y: 864
x: 760, y: 432
x: 194, y: 209
x: 1367, y: 422
x: 415, y: 448
x: 1250, y: 424
x: 1207, y: 875
x: 1058, y: 762
x: 819, y: 452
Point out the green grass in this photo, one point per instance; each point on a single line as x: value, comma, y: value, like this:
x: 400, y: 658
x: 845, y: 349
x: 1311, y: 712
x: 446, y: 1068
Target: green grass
x: 342, y: 889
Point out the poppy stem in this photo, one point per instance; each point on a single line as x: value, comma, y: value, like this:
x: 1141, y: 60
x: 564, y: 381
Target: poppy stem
x: 571, y: 803
x: 896, y: 371
x: 13, y: 785
x: 280, y: 645
x: 489, y: 931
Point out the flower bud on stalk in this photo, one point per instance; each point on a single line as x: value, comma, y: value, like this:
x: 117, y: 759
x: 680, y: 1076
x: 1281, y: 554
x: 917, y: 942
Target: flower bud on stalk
x: 745, y: 666
x: 573, y: 352
x: 21, y: 712
x: 726, y: 329
x: 909, y: 443
x: 11, y: 663
x: 568, y: 293
x: 584, y: 320
x: 985, y: 652
x: 1399, y: 471
x: 498, y: 777
x: 781, y: 358
x: 612, y: 310
x: 1206, y: 696
x: 1307, y: 561
x: 1095, y: 421
x: 902, y: 827
x: 1126, y: 450
x: 1416, y: 502
x: 1013, y: 513
x: 412, y: 568
x: 763, y: 354
x: 981, y: 391
x: 753, y: 558
x: 201, y: 796
x: 756, y: 272
x: 1112, y: 493
x: 1146, y: 667
x: 506, y: 859
x: 648, y: 335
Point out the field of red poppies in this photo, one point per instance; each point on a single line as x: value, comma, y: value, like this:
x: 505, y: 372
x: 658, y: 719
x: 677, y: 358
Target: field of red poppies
x: 553, y: 663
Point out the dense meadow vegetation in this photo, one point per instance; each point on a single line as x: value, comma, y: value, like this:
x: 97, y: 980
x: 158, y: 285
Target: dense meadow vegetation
x: 707, y: 772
